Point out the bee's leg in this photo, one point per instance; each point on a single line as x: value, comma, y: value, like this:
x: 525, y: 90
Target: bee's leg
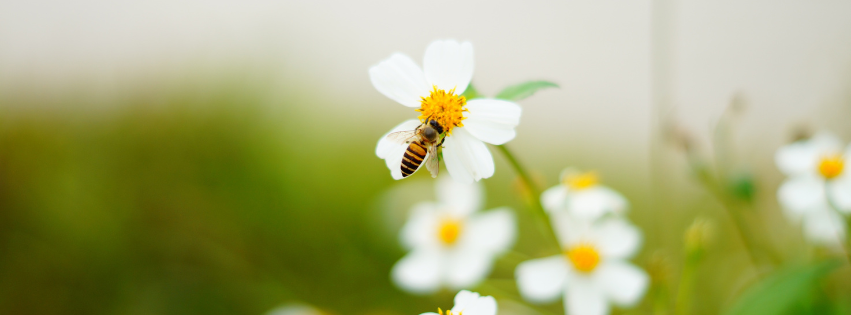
x: 441, y: 142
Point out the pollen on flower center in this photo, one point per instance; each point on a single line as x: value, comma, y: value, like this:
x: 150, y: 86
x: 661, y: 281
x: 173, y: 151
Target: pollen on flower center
x: 444, y: 107
x: 831, y: 166
x: 584, y: 257
x: 449, y: 231
x: 580, y: 181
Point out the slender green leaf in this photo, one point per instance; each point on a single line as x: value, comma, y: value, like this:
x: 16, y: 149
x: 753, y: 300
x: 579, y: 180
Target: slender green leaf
x: 524, y: 90
x: 471, y: 92
x: 783, y: 290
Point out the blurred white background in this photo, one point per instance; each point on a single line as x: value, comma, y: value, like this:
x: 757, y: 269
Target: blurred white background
x: 621, y: 64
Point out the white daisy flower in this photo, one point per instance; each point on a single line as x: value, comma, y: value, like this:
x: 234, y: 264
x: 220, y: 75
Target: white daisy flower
x: 592, y: 272
x: 581, y: 195
x: 469, y: 303
x: 436, y: 92
x: 451, y: 244
x: 818, y: 186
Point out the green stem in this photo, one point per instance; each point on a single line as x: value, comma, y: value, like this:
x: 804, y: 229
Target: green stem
x: 713, y: 185
x: 835, y: 208
x: 534, y: 196
x: 683, y: 305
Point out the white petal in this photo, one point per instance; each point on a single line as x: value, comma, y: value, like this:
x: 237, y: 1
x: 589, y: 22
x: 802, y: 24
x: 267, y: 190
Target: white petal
x: 470, y: 303
x: 594, y: 202
x: 400, y: 79
x: 462, y: 198
x: 826, y: 142
x: 430, y: 313
x: 584, y: 297
x: 418, y: 272
x: 840, y: 192
x: 824, y: 227
x: 421, y: 229
x: 385, y: 146
x: 542, y: 280
x: 492, y: 121
x: 555, y: 198
x: 617, y: 238
x: 801, y: 194
x: 568, y: 229
x: 467, y: 159
x: 465, y: 269
x: 491, y: 231
x: 623, y: 283
x: 449, y: 65
x: 797, y: 158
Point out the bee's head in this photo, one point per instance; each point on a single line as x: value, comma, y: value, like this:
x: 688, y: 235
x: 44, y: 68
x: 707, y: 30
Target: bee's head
x: 434, y: 124
x: 430, y: 133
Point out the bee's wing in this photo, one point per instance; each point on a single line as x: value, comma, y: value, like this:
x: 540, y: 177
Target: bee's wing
x: 432, y: 162
x: 402, y: 137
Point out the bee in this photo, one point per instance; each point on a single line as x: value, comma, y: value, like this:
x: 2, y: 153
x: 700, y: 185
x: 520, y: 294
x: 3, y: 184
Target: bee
x: 422, y: 147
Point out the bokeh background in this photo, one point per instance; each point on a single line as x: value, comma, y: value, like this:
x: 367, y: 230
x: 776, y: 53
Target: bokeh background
x: 217, y: 157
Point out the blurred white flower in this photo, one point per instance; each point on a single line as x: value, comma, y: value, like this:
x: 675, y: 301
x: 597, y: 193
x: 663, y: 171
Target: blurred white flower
x: 592, y: 272
x: 436, y: 92
x: 581, y: 195
x: 451, y: 244
x: 818, y: 186
x: 469, y: 303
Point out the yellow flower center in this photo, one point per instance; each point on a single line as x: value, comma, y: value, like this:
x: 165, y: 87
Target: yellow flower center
x: 831, y: 166
x: 584, y: 257
x: 448, y: 312
x: 449, y: 231
x: 444, y: 107
x: 580, y: 181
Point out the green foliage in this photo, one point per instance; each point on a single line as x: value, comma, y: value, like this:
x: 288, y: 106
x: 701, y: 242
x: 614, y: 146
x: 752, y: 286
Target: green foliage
x: 524, y: 90
x: 784, y: 290
x: 742, y: 187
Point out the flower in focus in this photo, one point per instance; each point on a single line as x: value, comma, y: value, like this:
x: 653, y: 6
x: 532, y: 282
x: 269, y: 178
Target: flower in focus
x: 818, y: 187
x: 582, y: 195
x: 469, y: 303
x: 436, y: 91
x: 592, y: 272
x: 451, y: 244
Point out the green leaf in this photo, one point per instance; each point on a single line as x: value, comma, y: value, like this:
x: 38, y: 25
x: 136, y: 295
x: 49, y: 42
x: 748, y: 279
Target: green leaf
x: 471, y: 92
x: 782, y: 291
x: 524, y: 90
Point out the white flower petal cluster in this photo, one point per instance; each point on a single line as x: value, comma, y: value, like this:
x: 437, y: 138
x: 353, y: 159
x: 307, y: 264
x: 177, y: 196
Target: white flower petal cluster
x: 581, y: 195
x: 818, y: 187
x: 436, y: 91
x: 470, y: 303
x: 451, y: 244
x: 593, y: 271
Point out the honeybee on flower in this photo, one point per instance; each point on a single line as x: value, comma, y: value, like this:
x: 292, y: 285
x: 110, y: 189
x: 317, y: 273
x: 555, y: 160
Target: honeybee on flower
x: 437, y: 91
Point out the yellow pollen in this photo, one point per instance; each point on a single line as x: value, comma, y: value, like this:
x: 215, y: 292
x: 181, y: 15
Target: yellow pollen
x: 831, y: 166
x: 584, y: 257
x: 448, y: 312
x: 449, y: 231
x: 581, y: 181
x: 444, y: 107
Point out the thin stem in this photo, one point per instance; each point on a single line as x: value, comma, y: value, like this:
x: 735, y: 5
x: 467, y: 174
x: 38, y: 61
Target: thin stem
x: 685, y: 288
x: 847, y: 222
x: 533, y: 198
x: 712, y: 185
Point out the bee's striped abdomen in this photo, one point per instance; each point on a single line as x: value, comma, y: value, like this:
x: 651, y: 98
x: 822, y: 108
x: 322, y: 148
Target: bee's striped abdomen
x: 413, y: 157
